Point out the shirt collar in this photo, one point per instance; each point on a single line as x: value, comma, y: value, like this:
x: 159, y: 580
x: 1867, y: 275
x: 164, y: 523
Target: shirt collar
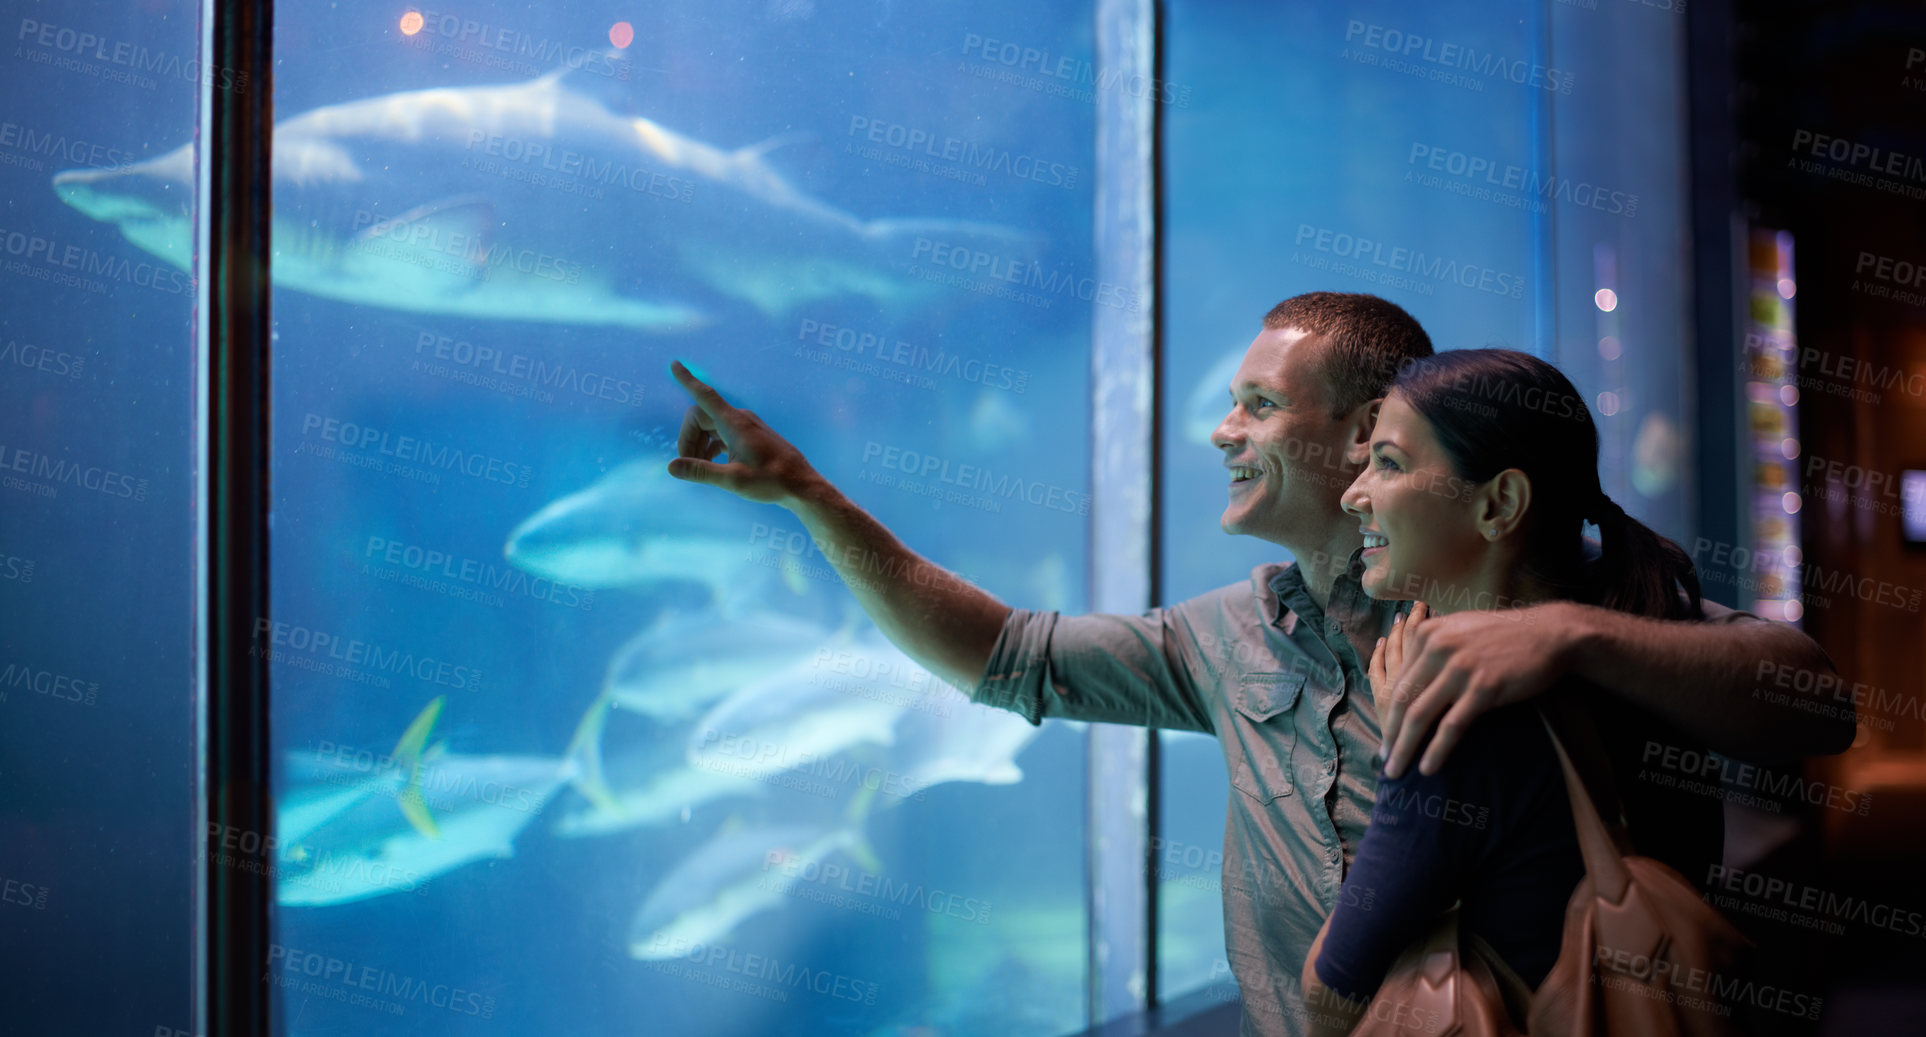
x: 1289, y: 595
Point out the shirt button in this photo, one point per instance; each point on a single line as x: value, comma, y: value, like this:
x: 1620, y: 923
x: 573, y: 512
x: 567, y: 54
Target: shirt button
x: 1330, y: 767
x: 1331, y: 625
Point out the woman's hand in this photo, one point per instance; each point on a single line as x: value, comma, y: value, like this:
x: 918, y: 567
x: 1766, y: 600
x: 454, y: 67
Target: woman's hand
x: 1390, y: 690
x: 1455, y: 668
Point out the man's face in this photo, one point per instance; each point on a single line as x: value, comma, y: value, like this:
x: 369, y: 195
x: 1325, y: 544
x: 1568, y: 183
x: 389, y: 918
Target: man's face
x: 1285, y: 451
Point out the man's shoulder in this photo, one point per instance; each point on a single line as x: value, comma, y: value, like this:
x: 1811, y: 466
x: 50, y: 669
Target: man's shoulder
x: 1255, y: 595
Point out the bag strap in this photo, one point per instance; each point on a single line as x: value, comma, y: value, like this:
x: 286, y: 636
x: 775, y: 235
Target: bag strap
x: 1603, y: 846
x: 1512, y: 988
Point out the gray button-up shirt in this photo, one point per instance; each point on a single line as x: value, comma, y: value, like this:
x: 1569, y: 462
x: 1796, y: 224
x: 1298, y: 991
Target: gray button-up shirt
x: 1282, y: 685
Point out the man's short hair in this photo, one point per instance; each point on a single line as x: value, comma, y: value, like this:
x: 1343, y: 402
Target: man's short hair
x: 1367, y: 341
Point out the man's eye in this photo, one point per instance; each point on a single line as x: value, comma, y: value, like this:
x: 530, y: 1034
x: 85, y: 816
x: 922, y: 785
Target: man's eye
x: 1262, y: 402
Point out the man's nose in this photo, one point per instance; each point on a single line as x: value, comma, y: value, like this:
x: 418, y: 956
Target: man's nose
x: 1225, y: 436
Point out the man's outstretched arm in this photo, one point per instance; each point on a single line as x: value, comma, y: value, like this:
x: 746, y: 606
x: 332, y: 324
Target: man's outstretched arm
x: 1700, y: 676
x: 944, y: 622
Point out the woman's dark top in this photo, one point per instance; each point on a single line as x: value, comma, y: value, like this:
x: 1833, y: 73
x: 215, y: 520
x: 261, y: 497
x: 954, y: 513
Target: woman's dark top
x: 1493, y: 829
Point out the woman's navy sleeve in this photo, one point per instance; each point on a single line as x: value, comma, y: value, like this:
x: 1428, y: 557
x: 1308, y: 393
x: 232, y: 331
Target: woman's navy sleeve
x: 1427, y: 836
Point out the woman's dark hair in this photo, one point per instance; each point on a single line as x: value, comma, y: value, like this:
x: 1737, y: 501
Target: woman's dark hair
x: 1494, y: 409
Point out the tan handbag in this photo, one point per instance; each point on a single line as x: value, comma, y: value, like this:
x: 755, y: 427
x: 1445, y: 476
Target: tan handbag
x: 1447, y: 984
x: 1642, y: 955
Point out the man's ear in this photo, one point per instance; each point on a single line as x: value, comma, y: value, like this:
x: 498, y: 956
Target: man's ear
x: 1363, y: 421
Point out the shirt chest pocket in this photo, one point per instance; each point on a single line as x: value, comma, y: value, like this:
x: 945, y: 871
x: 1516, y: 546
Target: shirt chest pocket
x: 1264, y: 733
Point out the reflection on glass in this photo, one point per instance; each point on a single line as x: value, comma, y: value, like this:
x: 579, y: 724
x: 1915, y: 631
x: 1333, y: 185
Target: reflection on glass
x: 98, y: 841
x: 1472, y: 163
x: 564, y: 744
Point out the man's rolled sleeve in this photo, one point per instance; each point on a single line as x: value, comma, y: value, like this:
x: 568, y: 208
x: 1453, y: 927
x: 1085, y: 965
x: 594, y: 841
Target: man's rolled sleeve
x: 1018, y: 665
x: 1712, y: 612
x: 1103, y: 667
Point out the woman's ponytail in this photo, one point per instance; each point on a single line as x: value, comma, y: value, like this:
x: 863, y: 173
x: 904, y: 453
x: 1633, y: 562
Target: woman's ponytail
x: 1639, y: 571
x: 1494, y: 409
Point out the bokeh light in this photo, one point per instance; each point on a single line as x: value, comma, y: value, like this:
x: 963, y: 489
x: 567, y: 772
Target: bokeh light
x: 411, y: 23
x: 621, y: 34
x: 1606, y: 299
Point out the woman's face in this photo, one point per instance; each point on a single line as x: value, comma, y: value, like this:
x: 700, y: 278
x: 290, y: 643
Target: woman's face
x: 1420, y: 529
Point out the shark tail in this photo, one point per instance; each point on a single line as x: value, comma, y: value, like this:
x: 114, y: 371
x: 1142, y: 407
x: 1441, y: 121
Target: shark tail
x: 585, y: 752
x: 858, y: 846
x: 408, y: 753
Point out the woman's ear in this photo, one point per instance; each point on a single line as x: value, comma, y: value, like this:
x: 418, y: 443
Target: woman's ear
x: 1502, y: 503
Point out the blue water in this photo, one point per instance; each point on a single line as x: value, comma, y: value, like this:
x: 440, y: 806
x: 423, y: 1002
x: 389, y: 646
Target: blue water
x: 98, y: 800
x: 542, y: 939
x: 873, y: 108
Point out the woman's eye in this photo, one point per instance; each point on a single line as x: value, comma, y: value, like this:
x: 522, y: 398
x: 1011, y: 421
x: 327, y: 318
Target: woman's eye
x: 1386, y: 463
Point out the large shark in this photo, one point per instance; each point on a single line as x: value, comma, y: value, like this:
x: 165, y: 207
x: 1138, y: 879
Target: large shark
x: 651, y: 785
x: 676, y: 668
x: 638, y: 525
x: 536, y: 202
x: 670, y: 672
x: 735, y: 875
x: 813, y: 710
x: 953, y: 739
x: 353, y: 828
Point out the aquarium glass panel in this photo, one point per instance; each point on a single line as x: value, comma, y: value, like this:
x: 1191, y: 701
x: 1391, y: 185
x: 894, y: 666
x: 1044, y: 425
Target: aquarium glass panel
x: 566, y: 744
x: 98, y: 839
x: 1488, y: 167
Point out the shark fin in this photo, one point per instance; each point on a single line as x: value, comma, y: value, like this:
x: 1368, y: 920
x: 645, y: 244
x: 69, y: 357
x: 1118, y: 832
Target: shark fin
x: 858, y: 847
x: 415, y: 809
x: 862, y: 853
x: 427, y: 237
x: 1008, y: 774
x: 472, y: 212
x: 761, y: 149
x: 859, y: 805
x: 604, y: 76
x: 408, y: 750
x: 408, y: 753
x: 585, y: 751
